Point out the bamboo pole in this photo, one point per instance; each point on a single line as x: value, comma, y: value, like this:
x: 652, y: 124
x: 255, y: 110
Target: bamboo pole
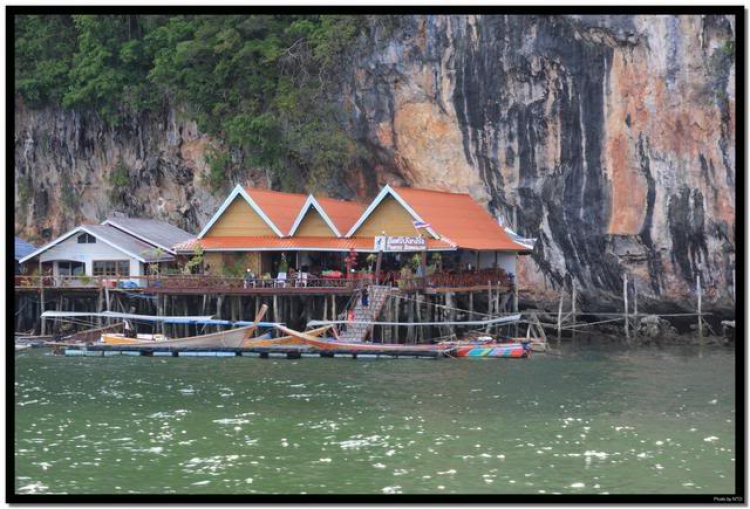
x: 625, y: 301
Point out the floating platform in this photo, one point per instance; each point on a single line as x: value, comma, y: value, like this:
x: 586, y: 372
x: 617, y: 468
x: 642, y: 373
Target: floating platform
x: 283, y: 351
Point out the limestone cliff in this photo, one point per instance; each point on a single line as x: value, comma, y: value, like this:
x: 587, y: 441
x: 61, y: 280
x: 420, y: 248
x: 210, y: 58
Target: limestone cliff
x: 610, y: 138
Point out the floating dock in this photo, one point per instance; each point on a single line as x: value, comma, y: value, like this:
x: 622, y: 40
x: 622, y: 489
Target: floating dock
x: 285, y: 352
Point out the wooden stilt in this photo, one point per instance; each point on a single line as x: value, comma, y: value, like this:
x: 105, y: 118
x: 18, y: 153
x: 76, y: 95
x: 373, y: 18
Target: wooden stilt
x: 636, y: 319
x: 489, y: 304
x: 396, y: 314
x: 573, y: 310
x: 410, y: 334
x: 420, y: 331
x: 699, y: 291
x: 276, y: 316
x: 515, y: 303
x: 625, y: 302
x: 559, y: 313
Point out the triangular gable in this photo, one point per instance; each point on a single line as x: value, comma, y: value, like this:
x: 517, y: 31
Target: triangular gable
x: 79, y: 229
x: 239, y: 215
x: 313, y: 221
x: 388, y: 213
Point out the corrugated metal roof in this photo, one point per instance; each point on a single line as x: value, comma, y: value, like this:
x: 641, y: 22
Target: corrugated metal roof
x: 156, y: 232
x: 127, y: 243
x: 460, y: 219
x: 23, y: 248
x: 364, y: 244
x: 281, y: 208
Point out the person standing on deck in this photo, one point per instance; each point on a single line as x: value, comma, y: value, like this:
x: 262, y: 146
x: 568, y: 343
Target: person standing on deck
x: 365, y: 298
x: 249, y: 277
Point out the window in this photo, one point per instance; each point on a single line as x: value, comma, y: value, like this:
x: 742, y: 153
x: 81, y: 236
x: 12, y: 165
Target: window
x: 69, y: 268
x: 112, y: 268
x: 86, y: 239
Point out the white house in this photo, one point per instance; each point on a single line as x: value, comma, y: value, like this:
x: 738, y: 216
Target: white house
x: 120, y: 248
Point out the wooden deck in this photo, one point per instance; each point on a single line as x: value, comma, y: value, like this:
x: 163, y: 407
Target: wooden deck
x: 228, y: 285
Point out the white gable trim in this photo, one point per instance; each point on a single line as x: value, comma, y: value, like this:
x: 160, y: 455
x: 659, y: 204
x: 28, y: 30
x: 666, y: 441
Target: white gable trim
x: 239, y: 190
x: 385, y: 192
x: 70, y: 234
x: 50, y: 245
x: 112, y: 244
x: 112, y: 223
x: 312, y: 202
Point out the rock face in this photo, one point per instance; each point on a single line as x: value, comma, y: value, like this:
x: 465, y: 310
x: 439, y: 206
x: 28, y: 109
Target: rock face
x: 609, y: 138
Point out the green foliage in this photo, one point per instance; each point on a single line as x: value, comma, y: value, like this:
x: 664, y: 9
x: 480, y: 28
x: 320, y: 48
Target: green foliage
x: 67, y: 191
x: 196, y: 259
x: 235, y: 270
x: 218, y: 164
x: 264, y: 84
x: 44, y: 48
x: 119, y: 179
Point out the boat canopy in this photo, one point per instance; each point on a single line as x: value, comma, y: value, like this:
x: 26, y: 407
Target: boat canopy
x: 200, y: 320
x: 493, y: 321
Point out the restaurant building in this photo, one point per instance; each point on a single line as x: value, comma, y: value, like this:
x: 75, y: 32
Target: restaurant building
x: 430, y: 233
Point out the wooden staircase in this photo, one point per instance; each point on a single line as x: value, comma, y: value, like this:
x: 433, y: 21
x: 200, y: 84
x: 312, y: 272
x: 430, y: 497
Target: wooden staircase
x: 359, y: 331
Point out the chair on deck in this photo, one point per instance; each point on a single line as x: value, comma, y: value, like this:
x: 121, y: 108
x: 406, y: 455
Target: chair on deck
x: 301, y: 279
x: 281, y: 280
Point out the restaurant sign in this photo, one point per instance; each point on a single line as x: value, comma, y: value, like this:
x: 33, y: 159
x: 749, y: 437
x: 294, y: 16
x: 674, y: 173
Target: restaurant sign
x: 397, y: 244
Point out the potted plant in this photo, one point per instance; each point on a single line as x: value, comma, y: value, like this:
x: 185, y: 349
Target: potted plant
x: 371, y: 259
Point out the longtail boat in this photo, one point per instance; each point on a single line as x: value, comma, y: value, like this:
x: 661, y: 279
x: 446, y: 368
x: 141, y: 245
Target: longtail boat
x: 333, y: 344
x: 505, y: 350
x: 284, y: 340
x: 235, y: 338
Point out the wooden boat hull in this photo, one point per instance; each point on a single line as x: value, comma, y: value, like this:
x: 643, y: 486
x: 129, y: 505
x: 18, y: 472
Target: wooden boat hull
x: 234, y: 338
x: 93, y: 335
x: 285, y: 340
x: 492, y: 350
x: 332, y: 344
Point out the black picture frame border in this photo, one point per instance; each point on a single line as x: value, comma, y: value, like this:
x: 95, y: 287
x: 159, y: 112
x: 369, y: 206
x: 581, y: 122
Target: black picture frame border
x: 740, y: 356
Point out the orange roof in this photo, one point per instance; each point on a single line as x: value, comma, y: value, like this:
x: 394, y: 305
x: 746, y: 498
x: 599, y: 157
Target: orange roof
x: 459, y: 218
x: 365, y: 244
x: 343, y: 213
x: 281, y: 208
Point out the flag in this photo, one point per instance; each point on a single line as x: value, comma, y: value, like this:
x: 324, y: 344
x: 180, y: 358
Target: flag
x: 420, y: 224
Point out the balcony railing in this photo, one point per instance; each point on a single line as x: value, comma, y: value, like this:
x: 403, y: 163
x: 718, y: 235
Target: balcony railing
x: 495, y: 277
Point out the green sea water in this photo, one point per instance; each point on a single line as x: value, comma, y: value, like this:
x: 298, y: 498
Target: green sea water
x: 582, y: 420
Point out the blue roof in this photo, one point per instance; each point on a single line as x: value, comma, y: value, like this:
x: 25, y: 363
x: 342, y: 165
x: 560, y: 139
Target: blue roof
x: 23, y: 248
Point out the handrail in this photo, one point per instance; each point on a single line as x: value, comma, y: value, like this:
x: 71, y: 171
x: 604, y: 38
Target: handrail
x: 198, y: 281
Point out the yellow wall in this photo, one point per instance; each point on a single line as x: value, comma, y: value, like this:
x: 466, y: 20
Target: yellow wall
x: 218, y: 261
x: 239, y: 220
x: 313, y: 225
x: 389, y: 216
